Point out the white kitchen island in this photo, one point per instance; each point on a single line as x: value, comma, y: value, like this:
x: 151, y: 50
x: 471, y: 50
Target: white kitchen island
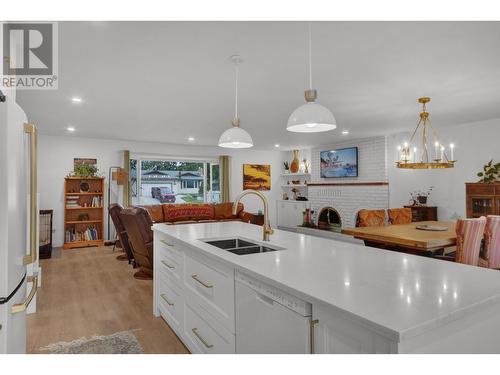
x: 363, y: 300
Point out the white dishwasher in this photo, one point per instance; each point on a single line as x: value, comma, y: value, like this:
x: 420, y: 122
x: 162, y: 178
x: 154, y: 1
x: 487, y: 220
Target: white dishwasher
x: 269, y: 320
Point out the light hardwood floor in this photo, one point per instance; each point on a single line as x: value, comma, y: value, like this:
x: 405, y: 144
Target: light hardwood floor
x: 87, y: 292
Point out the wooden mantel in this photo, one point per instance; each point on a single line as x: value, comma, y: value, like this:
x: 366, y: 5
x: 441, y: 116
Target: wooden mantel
x: 322, y: 183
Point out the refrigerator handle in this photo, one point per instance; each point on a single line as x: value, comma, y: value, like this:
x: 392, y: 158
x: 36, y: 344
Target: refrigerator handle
x: 32, y: 131
x: 20, y: 307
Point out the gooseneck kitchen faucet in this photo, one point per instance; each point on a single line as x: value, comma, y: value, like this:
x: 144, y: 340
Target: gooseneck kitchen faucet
x: 266, y: 228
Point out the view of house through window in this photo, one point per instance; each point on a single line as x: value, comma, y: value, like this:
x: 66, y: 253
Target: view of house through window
x: 174, y: 181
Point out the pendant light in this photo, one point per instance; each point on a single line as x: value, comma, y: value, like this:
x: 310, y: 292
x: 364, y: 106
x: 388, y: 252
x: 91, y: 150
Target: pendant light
x: 236, y: 137
x: 311, y: 117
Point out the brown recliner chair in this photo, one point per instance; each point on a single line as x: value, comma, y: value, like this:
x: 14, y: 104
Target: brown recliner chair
x: 137, y: 223
x: 114, y: 212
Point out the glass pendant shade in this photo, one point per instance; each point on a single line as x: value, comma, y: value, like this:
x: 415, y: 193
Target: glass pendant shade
x: 311, y: 118
x: 235, y: 137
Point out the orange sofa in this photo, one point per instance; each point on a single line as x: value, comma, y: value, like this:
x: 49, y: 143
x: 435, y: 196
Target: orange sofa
x: 196, y: 213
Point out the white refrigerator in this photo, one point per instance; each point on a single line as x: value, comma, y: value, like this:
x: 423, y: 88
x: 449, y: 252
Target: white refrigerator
x: 18, y: 230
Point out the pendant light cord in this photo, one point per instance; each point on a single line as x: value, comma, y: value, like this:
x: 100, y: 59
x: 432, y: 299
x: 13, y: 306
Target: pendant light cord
x: 236, y: 93
x: 310, y: 59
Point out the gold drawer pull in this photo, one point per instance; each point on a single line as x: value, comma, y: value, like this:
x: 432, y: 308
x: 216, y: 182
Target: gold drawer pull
x: 167, y: 265
x: 166, y: 243
x: 166, y: 300
x: 201, y: 282
x: 20, y: 307
x: 312, y: 336
x: 207, y: 345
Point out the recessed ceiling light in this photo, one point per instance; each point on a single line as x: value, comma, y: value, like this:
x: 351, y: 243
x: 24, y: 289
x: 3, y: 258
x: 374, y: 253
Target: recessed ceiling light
x: 345, y: 132
x: 76, y: 99
x: 277, y: 145
x: 71, y: 129
x: 191, y: 139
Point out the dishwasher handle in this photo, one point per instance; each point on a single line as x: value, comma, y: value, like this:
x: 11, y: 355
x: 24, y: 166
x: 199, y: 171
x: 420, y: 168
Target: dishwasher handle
x: 264, y: 299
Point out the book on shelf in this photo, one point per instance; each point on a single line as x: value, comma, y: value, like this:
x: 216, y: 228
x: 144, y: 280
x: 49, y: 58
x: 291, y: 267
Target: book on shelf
x: 89, y: 234
x: 96, y: 201
x: 74, y: 202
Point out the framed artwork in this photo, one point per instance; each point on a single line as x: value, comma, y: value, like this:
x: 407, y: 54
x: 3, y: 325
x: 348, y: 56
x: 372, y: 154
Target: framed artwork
x: 80, y: 161
x: 257, y: 176
x: 339, y: 163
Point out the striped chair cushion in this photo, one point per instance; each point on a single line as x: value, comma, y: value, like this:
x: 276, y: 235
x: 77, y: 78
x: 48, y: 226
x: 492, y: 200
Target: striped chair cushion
x: 469, y: 236
x: 492, y: 241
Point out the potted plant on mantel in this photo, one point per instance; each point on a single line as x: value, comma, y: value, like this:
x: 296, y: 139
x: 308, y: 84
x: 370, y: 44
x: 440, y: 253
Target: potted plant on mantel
x: 490, y: 173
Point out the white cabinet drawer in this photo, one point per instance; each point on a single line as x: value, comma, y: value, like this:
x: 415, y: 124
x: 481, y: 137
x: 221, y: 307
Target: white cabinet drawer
x: 205, y: 335
x: 212, y: 285
x: 170, y: 265
x: 168, y: 245
x: 171, y: 304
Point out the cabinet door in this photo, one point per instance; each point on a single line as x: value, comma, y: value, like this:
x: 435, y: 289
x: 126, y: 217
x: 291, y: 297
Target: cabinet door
x: 297, y: 215
x: 337, y: 335
x: 281, y: 213
x: 482, y: 206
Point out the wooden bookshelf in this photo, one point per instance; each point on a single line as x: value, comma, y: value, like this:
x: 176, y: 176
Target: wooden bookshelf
x: 83, y: 212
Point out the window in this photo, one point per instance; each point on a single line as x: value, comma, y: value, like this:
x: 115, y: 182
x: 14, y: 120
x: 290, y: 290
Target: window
x: 156, y: 181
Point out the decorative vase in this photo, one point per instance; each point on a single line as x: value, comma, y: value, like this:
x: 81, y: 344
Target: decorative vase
x: 295, y: 164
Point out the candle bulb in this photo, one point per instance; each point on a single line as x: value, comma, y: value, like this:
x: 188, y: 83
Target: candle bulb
x: 406, y: 151
x: 399, y: 152
x: 452, y: 146
x: 442, y: 153
x: 436, y: 147
x: 414, y: 154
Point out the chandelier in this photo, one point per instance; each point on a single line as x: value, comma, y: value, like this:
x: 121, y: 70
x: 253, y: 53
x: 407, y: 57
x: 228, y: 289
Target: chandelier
x: 411, y: 157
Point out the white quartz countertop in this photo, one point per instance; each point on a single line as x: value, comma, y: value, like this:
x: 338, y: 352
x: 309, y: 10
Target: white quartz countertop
x: 398, y: 295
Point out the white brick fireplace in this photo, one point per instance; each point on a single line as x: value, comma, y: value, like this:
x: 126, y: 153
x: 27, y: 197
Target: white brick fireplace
x: 349, y: 199
x: 370, y: 190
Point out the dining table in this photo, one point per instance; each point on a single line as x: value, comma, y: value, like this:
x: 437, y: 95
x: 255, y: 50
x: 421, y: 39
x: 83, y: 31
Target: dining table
x: 408, y: 237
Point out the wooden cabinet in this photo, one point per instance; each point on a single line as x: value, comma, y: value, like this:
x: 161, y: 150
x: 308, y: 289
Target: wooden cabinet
x: 290, y: 213
x: 423, y: 213
x: 83, y: 212
x: 482, y: 199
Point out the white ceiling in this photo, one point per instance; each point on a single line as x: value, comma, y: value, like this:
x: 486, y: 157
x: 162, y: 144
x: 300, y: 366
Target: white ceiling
x: 166, y: 81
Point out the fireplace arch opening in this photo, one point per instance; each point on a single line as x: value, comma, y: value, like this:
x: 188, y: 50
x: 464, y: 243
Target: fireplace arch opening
x: 329, y: 219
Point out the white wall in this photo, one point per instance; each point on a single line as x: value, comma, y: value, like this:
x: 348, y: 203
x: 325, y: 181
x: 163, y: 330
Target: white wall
x: 476, y: 143
x: 56, y: 155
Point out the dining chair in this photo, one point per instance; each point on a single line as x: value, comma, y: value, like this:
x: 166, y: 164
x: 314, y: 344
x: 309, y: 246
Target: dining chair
x: 491, y: 256
x: 470, y: 233
x: 399, y: 215
x: 370, y: 218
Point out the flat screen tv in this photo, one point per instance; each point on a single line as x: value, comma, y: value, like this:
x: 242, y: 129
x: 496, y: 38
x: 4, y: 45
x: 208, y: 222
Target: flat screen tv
x: 339, y: 163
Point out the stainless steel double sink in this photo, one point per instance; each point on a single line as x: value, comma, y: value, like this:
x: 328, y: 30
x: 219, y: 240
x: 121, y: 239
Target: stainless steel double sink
x: 240, y: 246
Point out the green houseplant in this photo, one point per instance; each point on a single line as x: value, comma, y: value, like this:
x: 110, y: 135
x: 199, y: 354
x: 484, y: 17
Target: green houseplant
x: 490, y: 173
x: 84, y: 170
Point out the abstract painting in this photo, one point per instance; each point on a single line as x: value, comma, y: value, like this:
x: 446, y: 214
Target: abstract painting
x: 257, y: 176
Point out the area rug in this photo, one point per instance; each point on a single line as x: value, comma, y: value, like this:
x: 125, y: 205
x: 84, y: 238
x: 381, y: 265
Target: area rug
x: 118, y: 343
